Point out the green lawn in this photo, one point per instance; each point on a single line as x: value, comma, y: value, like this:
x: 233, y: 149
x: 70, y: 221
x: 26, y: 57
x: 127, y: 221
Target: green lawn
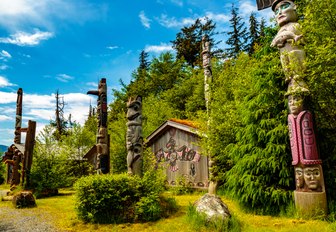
x: 61, y: 210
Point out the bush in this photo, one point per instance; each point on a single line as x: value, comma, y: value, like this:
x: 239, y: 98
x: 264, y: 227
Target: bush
x: 2, y: 172
x: 121, y: 198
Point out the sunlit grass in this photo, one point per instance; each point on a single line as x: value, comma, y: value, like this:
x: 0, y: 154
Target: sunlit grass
x: 61, y: 211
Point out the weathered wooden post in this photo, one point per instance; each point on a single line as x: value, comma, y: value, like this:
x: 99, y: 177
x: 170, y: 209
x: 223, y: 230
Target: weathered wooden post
x: 134, y: 137
x: 206, y: 58
x: 18, y: 117
x: 19, y: 157
x: 102, y: 161
x: 310, y: 195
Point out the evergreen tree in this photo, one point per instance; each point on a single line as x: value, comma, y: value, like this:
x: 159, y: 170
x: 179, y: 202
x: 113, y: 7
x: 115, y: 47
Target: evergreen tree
x: 237, y: 36
x: 143, y: 60
x: 262, y: 28
x: 254, y: 33
x: 261, y: 178
x: 188, y: 42
x: 319, y: 28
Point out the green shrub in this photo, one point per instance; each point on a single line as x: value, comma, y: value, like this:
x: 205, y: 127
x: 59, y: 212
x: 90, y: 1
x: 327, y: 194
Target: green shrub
x: 122, y: 198
x: 2, y: 172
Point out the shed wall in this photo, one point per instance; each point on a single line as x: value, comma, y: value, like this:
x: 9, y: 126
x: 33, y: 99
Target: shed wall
x: 179, y: 153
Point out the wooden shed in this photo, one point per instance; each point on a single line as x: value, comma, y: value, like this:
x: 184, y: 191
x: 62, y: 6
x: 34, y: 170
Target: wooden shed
x: 176, y: 146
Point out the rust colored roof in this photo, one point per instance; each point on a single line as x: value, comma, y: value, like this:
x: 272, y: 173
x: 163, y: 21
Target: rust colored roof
x: 185, y: 122
x: 185, y: 125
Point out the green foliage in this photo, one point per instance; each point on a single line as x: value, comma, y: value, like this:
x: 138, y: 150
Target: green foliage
x: 2, y: 172
x: 118, y: 152
x: 237, y: 40
x: 200, y: 222
x: 319, y: 27
x: 261, y: 175
x: 188, y: 42
x: 120, y: 198
x: 49, y: 169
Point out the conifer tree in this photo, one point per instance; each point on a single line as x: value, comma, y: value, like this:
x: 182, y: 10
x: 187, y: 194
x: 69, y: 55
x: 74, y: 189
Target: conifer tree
x: 254, y: 33
x: 237, y: 36
x: 188, y: 42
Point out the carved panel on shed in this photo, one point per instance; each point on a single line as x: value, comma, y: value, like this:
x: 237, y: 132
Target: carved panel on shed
x: 178, y: 152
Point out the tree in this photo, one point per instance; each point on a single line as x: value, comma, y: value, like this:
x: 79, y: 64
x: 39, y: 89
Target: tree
x: 60, y: 123
x: 319, y: 28
x: 254, y: 33
x: 238, y: 36
x: 143, y: 60
x: 188, y: 42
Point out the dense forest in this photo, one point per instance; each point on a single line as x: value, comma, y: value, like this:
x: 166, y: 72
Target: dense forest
x: 248, y: 135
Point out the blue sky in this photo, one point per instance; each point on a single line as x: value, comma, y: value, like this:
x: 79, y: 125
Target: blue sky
x: 68, y: 46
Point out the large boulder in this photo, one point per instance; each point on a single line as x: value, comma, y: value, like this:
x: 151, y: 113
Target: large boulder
x: 24, y: 199
x: 213, y: 207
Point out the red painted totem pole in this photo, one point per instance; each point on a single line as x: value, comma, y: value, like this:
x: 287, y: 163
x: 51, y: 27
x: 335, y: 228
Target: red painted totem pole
x: 310, y: 196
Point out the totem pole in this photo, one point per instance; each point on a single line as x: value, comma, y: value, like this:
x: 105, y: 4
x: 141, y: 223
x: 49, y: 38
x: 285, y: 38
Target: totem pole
x: 19, y: 156
x: 18, y: 118
x: 134, y: 137
x: 206, y: 57
x: 310, y: 195
x: 102, y: 147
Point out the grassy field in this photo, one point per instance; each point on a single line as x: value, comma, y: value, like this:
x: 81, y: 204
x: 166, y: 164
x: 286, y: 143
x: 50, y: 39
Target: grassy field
x: 62, y: 213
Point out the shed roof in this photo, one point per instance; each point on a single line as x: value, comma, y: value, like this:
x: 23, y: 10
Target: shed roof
x: 184, y: 125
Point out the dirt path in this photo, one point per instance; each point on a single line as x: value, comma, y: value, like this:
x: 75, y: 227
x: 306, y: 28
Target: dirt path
x: 24, y: 220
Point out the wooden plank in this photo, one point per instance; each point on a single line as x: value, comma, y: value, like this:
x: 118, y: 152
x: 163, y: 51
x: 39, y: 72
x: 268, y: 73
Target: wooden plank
x: 263, y: 4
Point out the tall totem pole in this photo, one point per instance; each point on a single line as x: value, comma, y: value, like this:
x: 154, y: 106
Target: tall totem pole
x: 310, y: 195
x: 134, y: 137
x: 18, y: 117
x: 206, y: 58
x: 102, y: 146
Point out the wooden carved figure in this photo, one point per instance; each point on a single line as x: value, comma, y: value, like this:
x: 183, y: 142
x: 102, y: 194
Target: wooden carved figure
x: 134, y: 138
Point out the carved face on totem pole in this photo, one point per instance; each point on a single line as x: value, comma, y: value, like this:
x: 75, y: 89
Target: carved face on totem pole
x: 285, y: 12
x: 299, y: 179
x: 312, y: 177
x: 295, y: 104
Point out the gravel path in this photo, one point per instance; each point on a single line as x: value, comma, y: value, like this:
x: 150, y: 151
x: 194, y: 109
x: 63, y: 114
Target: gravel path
x: 24, y: 220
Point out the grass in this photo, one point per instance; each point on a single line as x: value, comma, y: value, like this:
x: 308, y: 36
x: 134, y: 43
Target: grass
x: 60, y: 210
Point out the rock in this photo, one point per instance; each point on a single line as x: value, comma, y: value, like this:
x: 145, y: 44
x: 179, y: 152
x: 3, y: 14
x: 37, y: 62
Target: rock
x: 213, y: 207
x: 24, y: 199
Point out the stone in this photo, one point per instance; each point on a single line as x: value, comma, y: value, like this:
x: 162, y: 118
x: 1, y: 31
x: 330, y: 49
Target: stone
x: 24, y: 199
x: 213, y: 207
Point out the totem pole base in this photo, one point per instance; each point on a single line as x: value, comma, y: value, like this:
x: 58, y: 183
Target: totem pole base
x: 311, y: 204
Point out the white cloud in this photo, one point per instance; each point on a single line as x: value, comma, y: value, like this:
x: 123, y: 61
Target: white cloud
x: 165, y: 21
x: 64, y: 77
x: 145, y: 21
x: 112, y: 47
x: 163, y: 47
x: 5, y: 118
x: 246, y: 8
x: 218, y: 18
x: 17, y: 15
x: 5, y: 55
x: 4, y: 83
x: 92, y: 84
x: 26, y: 39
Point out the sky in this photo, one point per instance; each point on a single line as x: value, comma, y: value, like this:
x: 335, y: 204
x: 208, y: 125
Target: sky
x: 68, y: 46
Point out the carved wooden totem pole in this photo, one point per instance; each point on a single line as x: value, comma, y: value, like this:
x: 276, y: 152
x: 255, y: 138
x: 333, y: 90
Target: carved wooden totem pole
x: 134, y: 138
x: 102, y: 162
x: 206, y: 58
x: 310, y: 195
x: 19, y: 156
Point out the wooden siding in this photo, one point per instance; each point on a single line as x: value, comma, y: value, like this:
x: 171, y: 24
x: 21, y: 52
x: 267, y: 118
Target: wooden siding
x: 179, y: 152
